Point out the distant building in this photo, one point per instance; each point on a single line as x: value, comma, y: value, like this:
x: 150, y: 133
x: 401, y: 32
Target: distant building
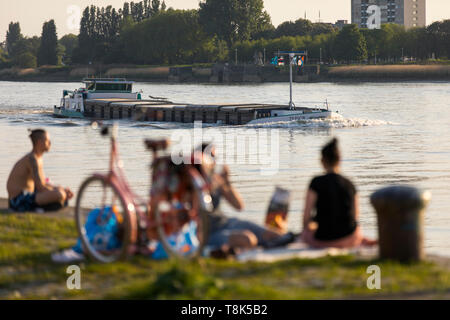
x: 340, y: 24
x: 372, y: 14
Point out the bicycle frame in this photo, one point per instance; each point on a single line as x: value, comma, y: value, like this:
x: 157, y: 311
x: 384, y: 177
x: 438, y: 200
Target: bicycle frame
x: 116, y: 177
x: 143, y: 225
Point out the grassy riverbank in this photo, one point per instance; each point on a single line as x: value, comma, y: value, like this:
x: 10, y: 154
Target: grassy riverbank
x: 76, y: 73
x: 390, y: 72
x: 26, y: 272
x: 202, y: 73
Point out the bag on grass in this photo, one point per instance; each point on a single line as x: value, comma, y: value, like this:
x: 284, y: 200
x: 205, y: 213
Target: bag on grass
x: 101, y: 230
x: 184, y: 241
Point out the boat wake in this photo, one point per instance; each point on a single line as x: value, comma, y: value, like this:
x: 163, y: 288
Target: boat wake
x: 24, y: 111
x: 335, y: 122
x: 158, y: 125
x: 66, y: 124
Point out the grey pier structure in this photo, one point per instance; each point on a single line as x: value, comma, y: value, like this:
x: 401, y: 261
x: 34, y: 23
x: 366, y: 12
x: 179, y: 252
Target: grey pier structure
x: 166, y: 111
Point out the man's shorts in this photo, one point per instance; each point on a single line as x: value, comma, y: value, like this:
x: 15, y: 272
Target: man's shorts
x: 220, y: 237
x: 24, y: 202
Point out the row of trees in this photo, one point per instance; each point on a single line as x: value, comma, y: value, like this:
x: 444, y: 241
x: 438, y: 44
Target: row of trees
x: 147, y: 33
x: 31, y: 52
x: 101, y: 29
x: 389, y: 44
x: 177, y: 37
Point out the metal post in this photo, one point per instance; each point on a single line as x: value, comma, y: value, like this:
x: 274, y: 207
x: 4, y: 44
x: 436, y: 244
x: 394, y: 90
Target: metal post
x: 401, y: 211
x: 320, y: 56
x: 264, y: 62
x: 291, y: 103
x: 235, y: 50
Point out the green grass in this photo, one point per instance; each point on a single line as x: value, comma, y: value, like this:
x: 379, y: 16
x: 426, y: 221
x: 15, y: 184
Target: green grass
x: 405, y: 71
x: 26, y: 272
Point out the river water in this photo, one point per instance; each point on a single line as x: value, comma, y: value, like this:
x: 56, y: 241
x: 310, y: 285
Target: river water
x: 390, y: 133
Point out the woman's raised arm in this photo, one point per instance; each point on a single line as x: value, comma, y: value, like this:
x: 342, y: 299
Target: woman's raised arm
x: 310, y: 203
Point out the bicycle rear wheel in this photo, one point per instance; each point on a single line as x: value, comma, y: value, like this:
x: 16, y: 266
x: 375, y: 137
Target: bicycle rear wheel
x: 103, y: 221
x: 183, y: 231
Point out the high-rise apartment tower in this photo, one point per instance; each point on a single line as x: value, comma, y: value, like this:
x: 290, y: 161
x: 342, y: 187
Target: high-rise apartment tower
x: 373, y: 13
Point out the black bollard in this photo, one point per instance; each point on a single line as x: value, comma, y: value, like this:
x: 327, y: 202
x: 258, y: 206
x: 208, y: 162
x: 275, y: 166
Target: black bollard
x: 400, y: 211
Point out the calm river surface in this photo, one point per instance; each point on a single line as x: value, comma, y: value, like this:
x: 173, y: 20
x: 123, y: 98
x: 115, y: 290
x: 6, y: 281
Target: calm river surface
x: 391, y: 133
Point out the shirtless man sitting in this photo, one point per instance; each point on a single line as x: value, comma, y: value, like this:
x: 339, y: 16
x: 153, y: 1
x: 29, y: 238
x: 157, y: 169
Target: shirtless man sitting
x: 27, y: 186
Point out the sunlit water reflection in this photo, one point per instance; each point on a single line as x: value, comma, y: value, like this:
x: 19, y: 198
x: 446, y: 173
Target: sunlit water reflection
x: 391, y: 133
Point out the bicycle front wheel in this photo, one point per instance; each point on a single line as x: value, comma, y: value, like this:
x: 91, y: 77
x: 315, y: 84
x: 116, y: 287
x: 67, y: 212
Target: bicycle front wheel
x: 182, y: 228
x: 103, y: 221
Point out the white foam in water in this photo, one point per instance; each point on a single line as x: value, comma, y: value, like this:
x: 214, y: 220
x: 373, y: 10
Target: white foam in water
x: 335, y: 122
x: 14, y: 110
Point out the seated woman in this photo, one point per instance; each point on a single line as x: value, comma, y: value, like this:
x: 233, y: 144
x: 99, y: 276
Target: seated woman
x: 337, y: 209
x: 233, y: 233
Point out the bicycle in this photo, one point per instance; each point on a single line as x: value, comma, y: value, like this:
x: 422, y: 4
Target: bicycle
x: 175, y: 214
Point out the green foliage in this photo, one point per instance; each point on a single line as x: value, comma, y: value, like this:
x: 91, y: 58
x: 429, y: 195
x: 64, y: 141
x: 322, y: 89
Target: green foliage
x: 32, y: 45
x: 350, y: 45
x: 374, y: 38
x: 300, y: 27
x: 247, y: 49
x: 416, y: 43
x: 24, y: 48
x: 139, y: 11
x: 2, y: 54
x: 322, y: 28
x: 439, y: 38
x: 322, y: 46
x: 314, y: 45
x: 264, y: 27
x: 49, y: 53
x: 392, y: 42
x: 234, y: 20
x: 26, y: 60
x: 23, y: 45
x: 391, y: 47
x: 13, y: 36
x: 99, y: 32
x: 213, y: 50
x: 170, y: 37
x: 4, y: 61
x: 69, y: 42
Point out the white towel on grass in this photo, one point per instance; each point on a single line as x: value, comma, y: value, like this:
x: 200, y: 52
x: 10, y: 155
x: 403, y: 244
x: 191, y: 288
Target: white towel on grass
x: 302, y: 251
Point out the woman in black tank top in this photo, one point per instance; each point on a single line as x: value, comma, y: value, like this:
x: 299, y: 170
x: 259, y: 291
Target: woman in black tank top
x: 335, y: 201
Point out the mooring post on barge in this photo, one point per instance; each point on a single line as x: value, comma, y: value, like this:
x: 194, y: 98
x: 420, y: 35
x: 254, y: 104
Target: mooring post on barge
x: 296, y: 58
x: 291, y: 103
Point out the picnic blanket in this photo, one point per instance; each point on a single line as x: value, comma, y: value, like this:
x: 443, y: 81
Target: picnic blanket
x: 303, y: 251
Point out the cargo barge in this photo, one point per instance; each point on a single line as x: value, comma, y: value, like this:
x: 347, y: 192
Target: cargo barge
x: 113, y: 99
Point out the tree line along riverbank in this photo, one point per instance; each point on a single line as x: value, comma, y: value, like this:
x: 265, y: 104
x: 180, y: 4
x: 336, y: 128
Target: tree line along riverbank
x: 230, y: 73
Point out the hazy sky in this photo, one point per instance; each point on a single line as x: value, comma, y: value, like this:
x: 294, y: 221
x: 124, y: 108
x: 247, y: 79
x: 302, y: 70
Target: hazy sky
x: 31, y: 14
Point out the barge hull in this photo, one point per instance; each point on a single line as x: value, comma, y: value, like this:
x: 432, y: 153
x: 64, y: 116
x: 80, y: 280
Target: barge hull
x: 164, y: 111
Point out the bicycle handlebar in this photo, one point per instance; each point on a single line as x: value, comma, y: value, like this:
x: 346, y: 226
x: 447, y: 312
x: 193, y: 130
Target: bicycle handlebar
x: 105, y: 131
x: 156, y: 145
x: 151, y: 144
